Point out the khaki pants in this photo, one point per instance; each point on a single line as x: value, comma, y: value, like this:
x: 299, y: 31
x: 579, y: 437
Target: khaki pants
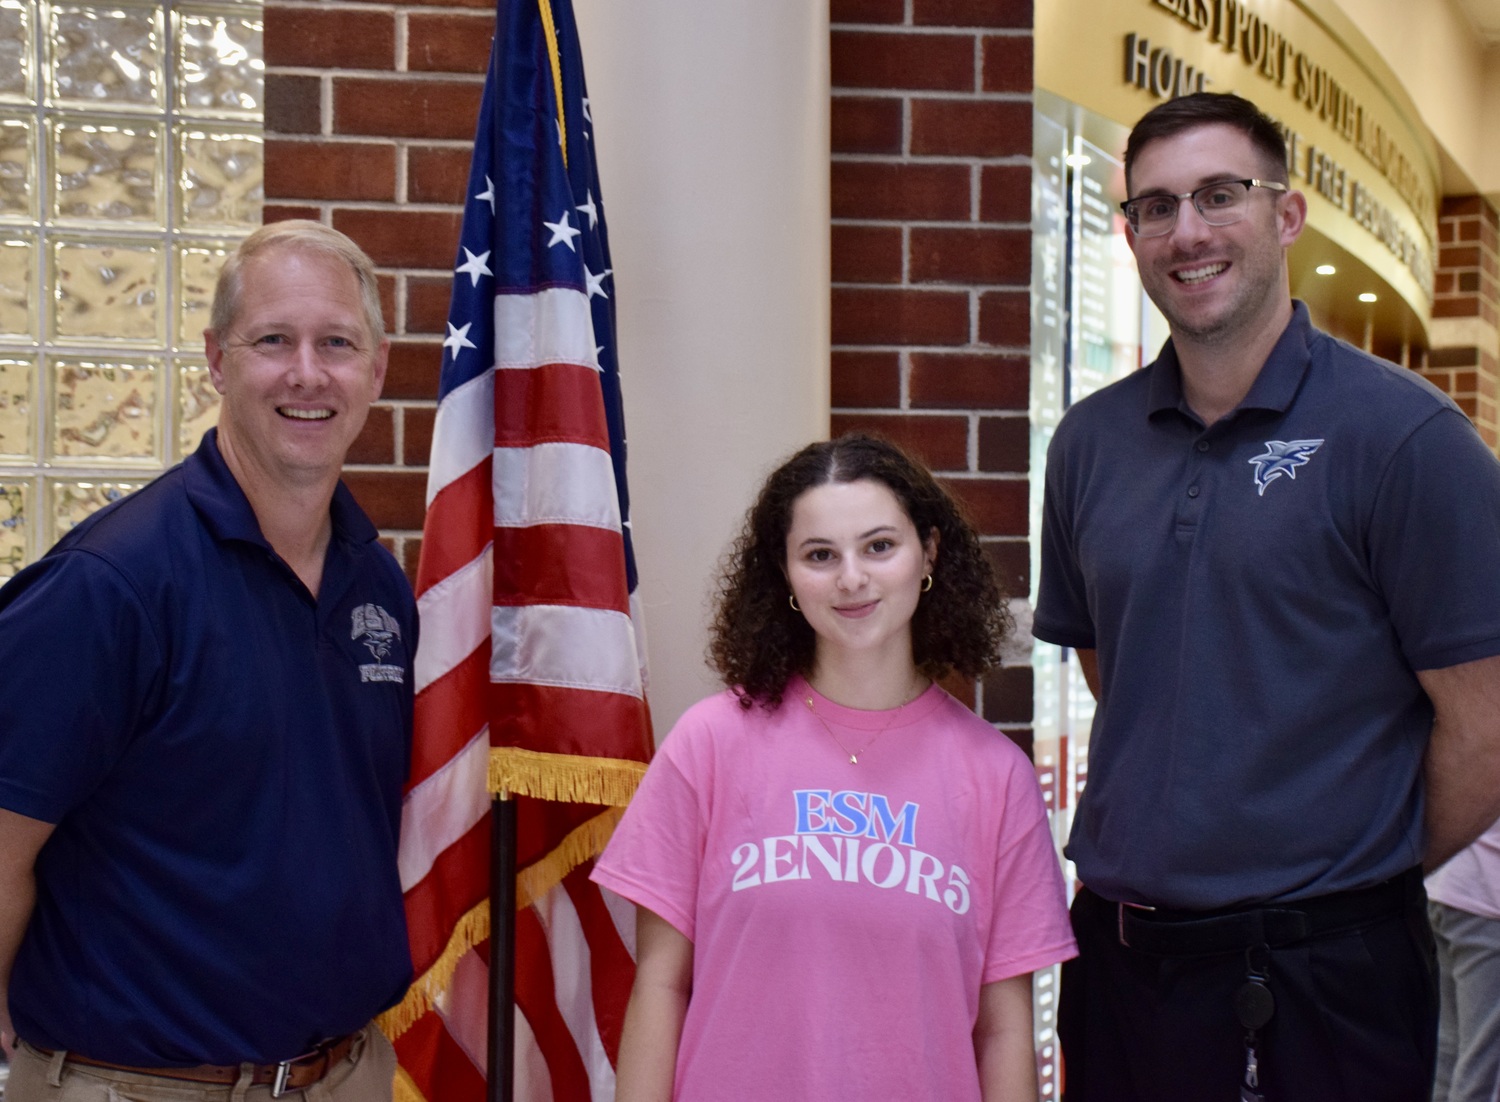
x: 365, y: 1076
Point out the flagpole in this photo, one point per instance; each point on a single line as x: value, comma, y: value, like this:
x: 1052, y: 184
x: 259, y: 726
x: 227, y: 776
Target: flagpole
x: 500, y: 1080
x: 502, y: 1056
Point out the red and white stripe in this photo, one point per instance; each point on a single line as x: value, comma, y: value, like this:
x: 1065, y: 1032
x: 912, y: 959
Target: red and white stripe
x: 526, y: 624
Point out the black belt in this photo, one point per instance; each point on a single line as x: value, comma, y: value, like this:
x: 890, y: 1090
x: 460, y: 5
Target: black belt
x: 1189, y: 933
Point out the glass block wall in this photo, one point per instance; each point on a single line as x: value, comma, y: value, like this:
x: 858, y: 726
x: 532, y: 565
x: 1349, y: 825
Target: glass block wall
x: 130, y: 164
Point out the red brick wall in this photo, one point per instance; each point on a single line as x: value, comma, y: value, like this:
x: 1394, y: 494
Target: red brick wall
x: 1467, y: 283
x: 370, y: 113
x: 931, y: 245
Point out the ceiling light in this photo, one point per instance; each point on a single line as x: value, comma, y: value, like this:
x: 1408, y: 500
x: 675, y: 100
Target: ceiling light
x: 1078, y: 160
x: 1368, y: 296
x: 1325, y: 269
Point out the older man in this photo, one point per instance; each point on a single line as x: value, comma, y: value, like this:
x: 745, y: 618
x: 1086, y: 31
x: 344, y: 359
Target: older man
x: 205, y: 718
x: 1279, y: 561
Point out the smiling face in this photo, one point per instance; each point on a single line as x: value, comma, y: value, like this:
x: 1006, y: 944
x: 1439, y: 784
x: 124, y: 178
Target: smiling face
x: 1216, y: 284
x: 855, y: 563
x: 297, y: 368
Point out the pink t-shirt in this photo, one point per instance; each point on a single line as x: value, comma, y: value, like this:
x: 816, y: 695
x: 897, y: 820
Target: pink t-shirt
x: 1470, y: 881
x: 843, y: 917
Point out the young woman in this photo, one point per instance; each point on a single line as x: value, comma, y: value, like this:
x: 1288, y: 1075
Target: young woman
x: 844, y: 878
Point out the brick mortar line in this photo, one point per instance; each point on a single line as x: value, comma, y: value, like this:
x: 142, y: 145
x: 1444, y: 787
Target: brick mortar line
x: 372, y: 8
x: 1005, y: 349
x: 906, y: 413
x: 402, y: 44
x: 365, y: 139
x: 854, y: 91
x: 403, y: 175
x: 950, y: 95
x: 924, y: 224
x: 325, y: 103
x: 887, y: 411
x: 390, y: 206
x: 416, y: 76
x: 1007, y: 160
x: 956, y: 30
x: 942, y: 288
x: 1002, y: 350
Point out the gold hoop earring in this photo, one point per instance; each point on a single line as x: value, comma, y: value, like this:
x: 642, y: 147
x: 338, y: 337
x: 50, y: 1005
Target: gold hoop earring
x: 927, y: 583
x: 792, y: 600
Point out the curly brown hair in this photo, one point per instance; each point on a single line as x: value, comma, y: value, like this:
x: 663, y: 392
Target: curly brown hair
x: 758, y: 642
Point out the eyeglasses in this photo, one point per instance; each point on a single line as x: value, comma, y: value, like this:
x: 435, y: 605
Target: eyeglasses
x: 1218, y: 204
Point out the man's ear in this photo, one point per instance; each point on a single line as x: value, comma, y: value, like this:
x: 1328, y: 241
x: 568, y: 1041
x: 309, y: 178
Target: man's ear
x: 1291, y: 216
x: 215, y: 353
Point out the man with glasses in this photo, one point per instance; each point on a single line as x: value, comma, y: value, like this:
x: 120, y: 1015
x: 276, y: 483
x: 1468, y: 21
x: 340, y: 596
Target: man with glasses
x: 1276, y: 559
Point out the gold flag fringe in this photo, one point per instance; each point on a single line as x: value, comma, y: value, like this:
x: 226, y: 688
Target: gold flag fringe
x: 404, y: 1089
x: 564, y: 778
x: 468, y: 932
x: 537, y: 879
x: 532, y: 884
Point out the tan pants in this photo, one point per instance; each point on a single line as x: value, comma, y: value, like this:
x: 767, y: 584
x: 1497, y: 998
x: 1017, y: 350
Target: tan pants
x: 365, y: 1076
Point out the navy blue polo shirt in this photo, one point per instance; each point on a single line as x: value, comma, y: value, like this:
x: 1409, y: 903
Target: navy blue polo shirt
x: 1260, y: 593
x: 224, y: 757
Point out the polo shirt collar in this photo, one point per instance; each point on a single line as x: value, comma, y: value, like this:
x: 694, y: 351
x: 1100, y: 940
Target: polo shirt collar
x: 226, y: 511
x: 1273, y: 389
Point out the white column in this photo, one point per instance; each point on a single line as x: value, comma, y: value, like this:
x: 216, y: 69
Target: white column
x: 712, y: 125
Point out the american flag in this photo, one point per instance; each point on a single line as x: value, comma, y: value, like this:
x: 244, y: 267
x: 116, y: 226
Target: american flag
x: 530, y: 677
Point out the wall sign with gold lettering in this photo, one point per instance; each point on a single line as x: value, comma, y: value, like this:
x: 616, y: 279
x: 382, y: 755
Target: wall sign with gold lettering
x: 1357, y: 146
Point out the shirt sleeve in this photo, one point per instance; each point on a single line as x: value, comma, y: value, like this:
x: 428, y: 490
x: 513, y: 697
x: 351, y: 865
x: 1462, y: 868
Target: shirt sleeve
x: 81, y: 662
x: 656, y: 855
x: 1030, y: 928
x: 1062, y: 611
x: 1434, y: 545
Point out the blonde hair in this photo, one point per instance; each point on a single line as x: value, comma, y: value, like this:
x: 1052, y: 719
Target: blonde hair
x: 300, y: 234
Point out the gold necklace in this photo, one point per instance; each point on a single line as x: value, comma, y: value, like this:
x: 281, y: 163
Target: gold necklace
x: 854, y: 754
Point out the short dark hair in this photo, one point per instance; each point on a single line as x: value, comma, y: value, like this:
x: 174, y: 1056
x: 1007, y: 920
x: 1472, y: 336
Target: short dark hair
x: 758, y: 641
x: 1206, y: 109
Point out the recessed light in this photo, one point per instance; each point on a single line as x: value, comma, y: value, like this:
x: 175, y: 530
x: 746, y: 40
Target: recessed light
x: 1368, y: 296
x: 1078, y: 160
x: 1325, y: 269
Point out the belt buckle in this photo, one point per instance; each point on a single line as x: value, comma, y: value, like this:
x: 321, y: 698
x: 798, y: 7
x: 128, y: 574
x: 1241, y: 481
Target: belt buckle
x: 283, y: 1074
x: 1120, y: 918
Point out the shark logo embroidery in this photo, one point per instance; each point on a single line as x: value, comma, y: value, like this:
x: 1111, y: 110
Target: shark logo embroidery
x: 378, y: 630
x: 1282, y: 457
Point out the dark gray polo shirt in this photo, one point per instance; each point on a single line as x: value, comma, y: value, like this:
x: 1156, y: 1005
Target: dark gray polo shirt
x: 1260, y: 594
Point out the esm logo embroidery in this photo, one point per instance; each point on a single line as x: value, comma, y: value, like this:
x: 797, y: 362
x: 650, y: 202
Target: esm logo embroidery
x: 1282, y: 457
x: 377, y: 629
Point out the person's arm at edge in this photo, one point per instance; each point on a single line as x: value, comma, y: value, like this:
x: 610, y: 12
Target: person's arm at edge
x: 21, y: 839
x: 1004, y: 1041
x: 655, y: 1013
x: 1462, y: 767
x: 1088, y: 663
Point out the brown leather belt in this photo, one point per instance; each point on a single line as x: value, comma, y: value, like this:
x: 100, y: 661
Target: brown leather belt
x: 289, y: 1075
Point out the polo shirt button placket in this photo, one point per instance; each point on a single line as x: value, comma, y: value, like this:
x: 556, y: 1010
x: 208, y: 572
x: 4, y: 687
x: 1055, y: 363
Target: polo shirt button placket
x: 1201, y: 446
